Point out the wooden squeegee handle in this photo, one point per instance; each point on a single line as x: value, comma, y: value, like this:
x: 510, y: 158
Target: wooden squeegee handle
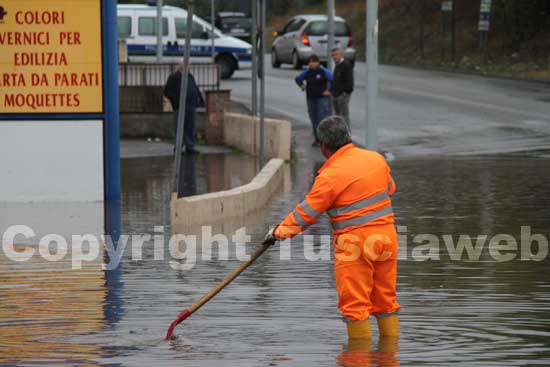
x: 217, y: 289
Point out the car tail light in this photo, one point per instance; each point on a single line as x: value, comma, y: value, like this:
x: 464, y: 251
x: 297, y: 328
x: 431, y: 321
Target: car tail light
x: 305, y: 39
x: 350, y: 39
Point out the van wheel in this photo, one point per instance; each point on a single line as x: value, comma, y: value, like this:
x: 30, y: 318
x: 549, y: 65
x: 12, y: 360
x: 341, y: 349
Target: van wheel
x: 296, y: 63
x: 275, y: 62
x: 227, y: 66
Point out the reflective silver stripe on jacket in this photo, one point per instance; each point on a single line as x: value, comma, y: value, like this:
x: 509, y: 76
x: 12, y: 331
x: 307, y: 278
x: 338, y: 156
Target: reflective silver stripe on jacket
x: 362, y: 219
x: 301, y: 222
x: 359, y: 204
x: 309, y: 210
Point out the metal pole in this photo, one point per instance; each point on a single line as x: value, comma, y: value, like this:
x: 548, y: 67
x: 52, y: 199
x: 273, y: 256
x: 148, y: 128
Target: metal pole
x: 254, y: 57
x: 453, y: 32
x: 262, y: 82
x: 159, y: 30
x: 330, y: 32
x: 372, y: 73
x: 183, y: 95
x: 212, y: 22
x: 443, y: 30
x: 112, y: 128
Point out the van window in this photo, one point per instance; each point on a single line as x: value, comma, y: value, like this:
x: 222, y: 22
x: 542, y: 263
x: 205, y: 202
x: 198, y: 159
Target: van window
x: 124, y: 25
x: 148, y: 26
x: 181, y: 28
x: 319, y: 28
x: 229, y: 23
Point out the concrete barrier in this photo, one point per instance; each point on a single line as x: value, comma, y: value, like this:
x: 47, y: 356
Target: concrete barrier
x: 227, y: 205
x: 154, y: 125
x: 243, y: 132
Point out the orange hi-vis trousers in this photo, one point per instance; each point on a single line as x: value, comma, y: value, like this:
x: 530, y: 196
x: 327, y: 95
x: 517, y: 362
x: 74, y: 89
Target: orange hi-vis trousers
x: 365, y: 268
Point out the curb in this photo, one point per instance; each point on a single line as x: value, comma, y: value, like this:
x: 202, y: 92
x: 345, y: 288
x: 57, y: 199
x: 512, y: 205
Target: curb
x: 195, y: 211
x: 472, y: 73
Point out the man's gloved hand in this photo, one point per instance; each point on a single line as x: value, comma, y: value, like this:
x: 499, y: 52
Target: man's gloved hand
x: 302, y: 87
x: 270, y: 238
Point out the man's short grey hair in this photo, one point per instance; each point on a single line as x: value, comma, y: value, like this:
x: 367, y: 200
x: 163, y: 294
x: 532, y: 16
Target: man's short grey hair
x: 334, y: 132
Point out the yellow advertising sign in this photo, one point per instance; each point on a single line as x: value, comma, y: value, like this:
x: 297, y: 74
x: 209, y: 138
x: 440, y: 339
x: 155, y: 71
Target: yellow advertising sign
x: 50, y: 56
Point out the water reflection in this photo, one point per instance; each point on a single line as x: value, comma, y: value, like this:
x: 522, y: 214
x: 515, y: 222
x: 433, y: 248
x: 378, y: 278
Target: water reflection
x: 283, y: 311
x: 113, y: 305
x: 188, y: 181
x: 148, y: 182
x: 358, y: 353
x: 45, y: 304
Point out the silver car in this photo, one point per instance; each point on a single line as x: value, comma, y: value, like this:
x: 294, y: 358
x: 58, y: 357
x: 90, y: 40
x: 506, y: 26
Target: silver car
x: 305, y: 35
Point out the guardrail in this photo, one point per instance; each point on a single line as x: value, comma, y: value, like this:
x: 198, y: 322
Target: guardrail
x: 207, y: 75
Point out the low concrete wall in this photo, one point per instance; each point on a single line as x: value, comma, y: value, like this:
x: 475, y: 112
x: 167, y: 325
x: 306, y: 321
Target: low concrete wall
x: 141, y: 99
x: 228, y: 205
x: 243, y: 132
x: 154, y: 125
x: 145, y: 112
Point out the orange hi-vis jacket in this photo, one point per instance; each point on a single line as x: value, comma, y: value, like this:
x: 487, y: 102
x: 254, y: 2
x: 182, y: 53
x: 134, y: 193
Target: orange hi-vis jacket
x: 353, y: 187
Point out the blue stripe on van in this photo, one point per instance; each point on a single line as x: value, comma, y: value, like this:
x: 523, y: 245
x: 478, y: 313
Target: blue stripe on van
x: 138, y: 49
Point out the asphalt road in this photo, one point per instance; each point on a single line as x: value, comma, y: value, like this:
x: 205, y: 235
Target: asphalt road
x: 424, y: 112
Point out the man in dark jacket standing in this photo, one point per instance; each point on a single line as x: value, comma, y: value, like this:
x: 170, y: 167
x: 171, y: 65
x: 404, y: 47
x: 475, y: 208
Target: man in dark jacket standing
x: 317, y: 79
x: 172, y: 92
x: 342, y: 85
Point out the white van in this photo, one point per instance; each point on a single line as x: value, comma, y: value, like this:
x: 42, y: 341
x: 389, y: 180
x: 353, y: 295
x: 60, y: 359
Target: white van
x: 137, y: 24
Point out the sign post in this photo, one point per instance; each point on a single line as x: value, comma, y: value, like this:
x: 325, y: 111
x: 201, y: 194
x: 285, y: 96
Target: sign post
x: 255, y: 58
x: 59, y: 127
x: 262, y: 51
x: 371, y: 138
x: 212, y: 33
x: 446, y: 9
x: 483, y: 27
x: 160, y: 31
x: 330, y: 33
x: 183, y: 96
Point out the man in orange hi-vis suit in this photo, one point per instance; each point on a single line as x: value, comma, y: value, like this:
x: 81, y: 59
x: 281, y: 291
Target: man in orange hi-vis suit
x: 354, y: 187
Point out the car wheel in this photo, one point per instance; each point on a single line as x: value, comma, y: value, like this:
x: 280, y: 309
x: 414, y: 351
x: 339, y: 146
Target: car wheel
x: 275, y: 62
x: 296, y: 63
x: 227, y: 66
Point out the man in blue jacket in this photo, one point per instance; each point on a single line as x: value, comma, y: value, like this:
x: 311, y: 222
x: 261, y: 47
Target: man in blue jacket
x: 317, y: 85
x: 193, y: 100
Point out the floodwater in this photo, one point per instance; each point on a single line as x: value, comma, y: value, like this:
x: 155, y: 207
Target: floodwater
x: 282, y: 312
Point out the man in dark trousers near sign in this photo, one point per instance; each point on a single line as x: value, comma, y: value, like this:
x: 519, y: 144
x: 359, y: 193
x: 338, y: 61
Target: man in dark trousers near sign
x: 193, y: 100
x: 342, y: 85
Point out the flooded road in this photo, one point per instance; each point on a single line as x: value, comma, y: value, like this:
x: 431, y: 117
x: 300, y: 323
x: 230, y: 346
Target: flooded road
x: 478, y: 305
x: 282, y: 312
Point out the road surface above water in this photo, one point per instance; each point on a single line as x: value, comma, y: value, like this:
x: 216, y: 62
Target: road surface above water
x: 422, y: 112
